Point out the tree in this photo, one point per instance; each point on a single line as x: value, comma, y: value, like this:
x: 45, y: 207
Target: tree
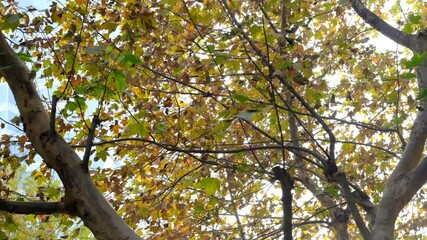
x: 213, y: 119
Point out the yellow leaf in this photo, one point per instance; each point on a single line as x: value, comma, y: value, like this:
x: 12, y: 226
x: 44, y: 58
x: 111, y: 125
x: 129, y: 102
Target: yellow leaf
x: 115, y: 128
x: 38, y: 174
x: 22, y: 140
x: 185, y: 229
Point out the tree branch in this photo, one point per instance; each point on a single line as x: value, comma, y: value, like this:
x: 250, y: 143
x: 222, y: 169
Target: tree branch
x: 286, y: 184
x: 363, y: 201
x: 233, y: 205
x: 342, y: 180
x: 381, y: 26
x: 89, y: 142
x: 291, y: 148
x: 20, y: 207
x: 52, y: 129
x: 339, y: 215
x: 415, y: 179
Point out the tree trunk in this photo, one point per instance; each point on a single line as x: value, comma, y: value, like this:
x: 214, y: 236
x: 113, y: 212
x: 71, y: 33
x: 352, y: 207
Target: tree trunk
x: 82, y: 198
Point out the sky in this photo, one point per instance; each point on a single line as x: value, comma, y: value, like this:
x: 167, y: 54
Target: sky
x: 36, y: 3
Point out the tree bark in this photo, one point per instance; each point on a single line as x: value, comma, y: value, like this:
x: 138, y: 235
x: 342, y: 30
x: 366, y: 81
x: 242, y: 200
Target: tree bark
x: 82, y: 198
x: 409, y: 175
x: 21, y: 207
x: 286, y: 184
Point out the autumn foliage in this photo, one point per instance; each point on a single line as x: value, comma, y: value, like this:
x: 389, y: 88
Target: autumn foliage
x: 196, y: 116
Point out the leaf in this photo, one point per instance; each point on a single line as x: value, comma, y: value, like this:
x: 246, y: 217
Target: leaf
x: 255, y: 29
x: 211, y: 185
x: 240, y: 98
x: 278, y: 73
x: 422, y: 94
x: 115, y: 128
x: 52, y: 191
x: 364, y: 40
x: 416, y: 60
x: 408, y: 75
x: 119, y: 80
x: 199, y: 209
x: 408, y: 28
x: 210, y: 48
x: 24, y: 57
x: 129, y: 60
x: 161, y: 128
x: 220, y: 57
x: 137, y: 128
x: 392, y: 97
x: 246, y: 115
x: 171, y: 2
x: 14, y: 18
x: 225, y: 114
x: 300, y: 79
x: 95, y: 49
x: 102, y: 154
x: 415, y: 19
x: 81, y: 102
x: 333, y: 192
x: 223, y: 125
x: 22, y: 140
x: 397, y: 120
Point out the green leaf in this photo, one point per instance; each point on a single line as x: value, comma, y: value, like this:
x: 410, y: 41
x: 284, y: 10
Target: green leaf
x: 170, y: 2
x: 129, y: 60
x: 397, y: 120
x: 137, y: 128
x: 220, y: 58
x: 300, y: 79
x: 211, y: 185
x: 223, y: 125
x: 69, y: 106
x: 210, y: 48
x: 225, y: 114
x: 333, y: 192
x: 119, y: 80
x: 272, y: 120
x: 415, y: 19
x: 408, y: 28
x: 416, y: 60
x: 392, y: 97
x: 240, y: 98
x: 14, y: 18
x: 10, y: 21
x: 52, y: 191
x: 161, y: 128
x: 24, y: 57
x: 422, y: 94
x: 199, y: 209
x: 408, y: 75
x: 81, y: 102
x: 102, y: 154
x: 255, y: 29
